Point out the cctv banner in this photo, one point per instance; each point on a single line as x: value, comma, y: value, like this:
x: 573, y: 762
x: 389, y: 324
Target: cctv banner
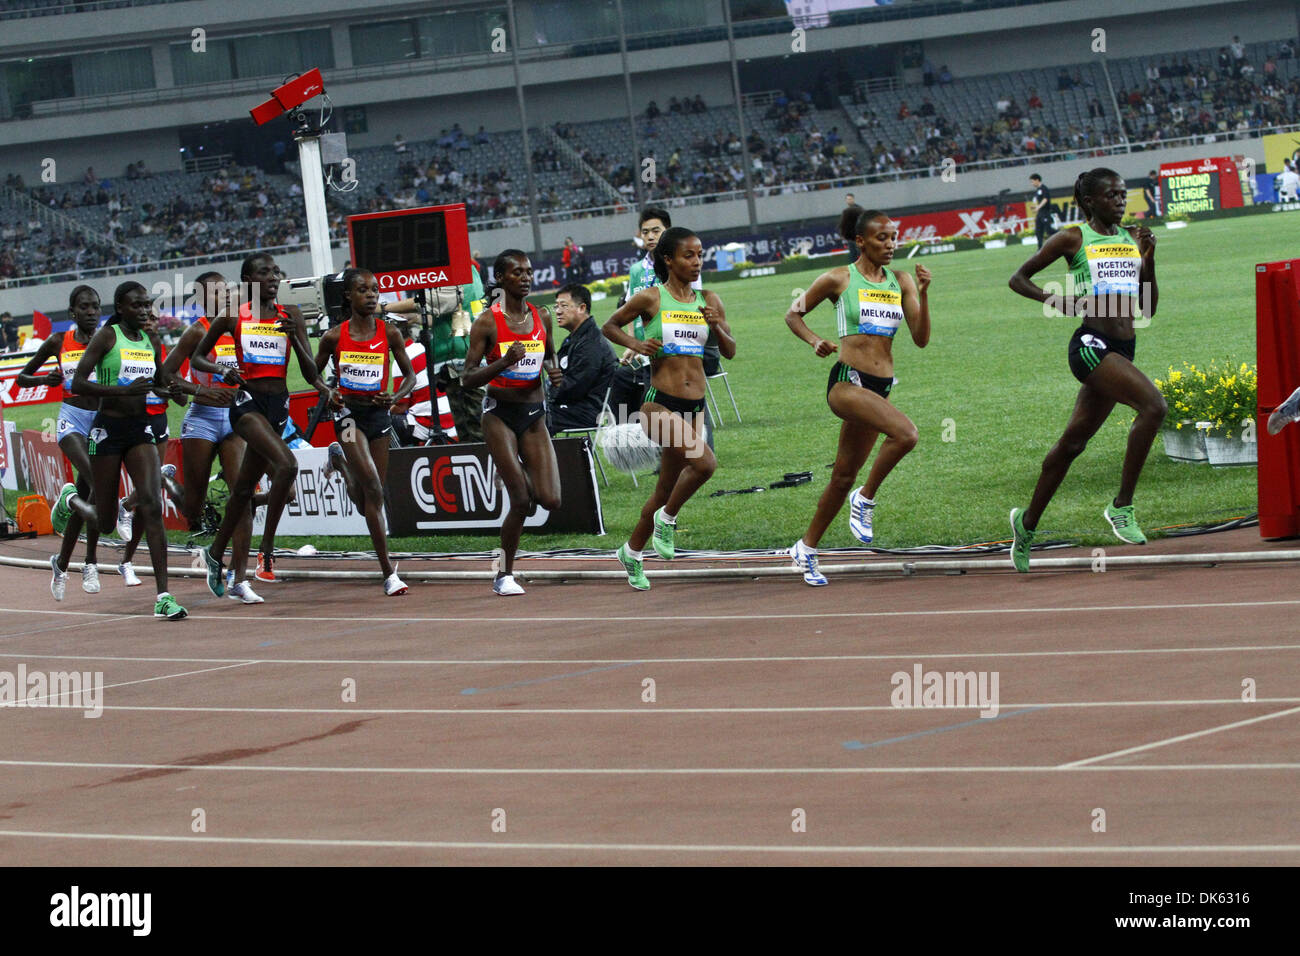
x: 452, y: 489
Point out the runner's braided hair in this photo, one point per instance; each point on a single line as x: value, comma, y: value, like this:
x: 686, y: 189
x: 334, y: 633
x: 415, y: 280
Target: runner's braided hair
x: 1086, y: 185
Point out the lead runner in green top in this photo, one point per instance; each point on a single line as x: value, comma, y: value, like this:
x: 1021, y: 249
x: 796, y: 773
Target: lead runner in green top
x: 678, y: 320
x: 871, y: 303
x: 1112, y: 283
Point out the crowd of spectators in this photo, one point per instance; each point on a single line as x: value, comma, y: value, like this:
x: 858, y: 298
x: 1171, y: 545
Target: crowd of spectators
x: 1228, y: 101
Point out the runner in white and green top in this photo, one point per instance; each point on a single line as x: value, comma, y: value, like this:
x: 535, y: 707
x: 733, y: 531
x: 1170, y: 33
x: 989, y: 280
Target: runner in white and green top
x: 872, y: 302
x: 124, y: 360
x: 680, y: 320
x: 1112, y: 282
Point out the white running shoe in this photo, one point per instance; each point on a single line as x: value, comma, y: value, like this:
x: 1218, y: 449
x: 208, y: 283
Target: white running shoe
x: 861, y: 512
x: 59, y: 582
x: 1285, y: 414
x: 393, y: 585
x: 128, y: 573
x: 505, y: 585
x: 335, y: 450
x: 805, y: 559
x: 169, y: 471
x: 243, y: 591
x: 90, y: 578
x: 123, y: 521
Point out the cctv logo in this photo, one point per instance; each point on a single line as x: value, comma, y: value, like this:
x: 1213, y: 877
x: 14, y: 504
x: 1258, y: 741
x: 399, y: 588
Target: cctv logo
x: 454, y: 483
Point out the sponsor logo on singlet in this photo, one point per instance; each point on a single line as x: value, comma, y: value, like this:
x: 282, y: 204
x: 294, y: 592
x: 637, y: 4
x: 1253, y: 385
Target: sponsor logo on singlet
x: 135, y: 363
x: 683, y: 332
x: 361, y: 371
x: 530, y: 366
x: 264, y: 343
x: 1113, y: 268
x: 879, y: 311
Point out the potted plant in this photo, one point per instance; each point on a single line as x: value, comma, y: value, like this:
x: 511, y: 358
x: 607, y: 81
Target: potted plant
x: 1211, y: 413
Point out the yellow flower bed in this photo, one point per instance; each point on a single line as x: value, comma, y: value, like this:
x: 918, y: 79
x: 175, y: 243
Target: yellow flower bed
x: 1221, y: 392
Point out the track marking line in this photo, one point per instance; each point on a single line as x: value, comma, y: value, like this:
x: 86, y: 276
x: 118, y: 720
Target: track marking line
x: 1180, y: 738
x: 978, y: 721
x: 648, y: 847
x: 63, y: 627
x: 786, y: 659
x: 602, y: 619
x: 655, y: 711
x: 643, y: 771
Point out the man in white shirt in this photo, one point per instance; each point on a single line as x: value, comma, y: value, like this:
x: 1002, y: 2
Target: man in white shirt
x: 1289, y: 183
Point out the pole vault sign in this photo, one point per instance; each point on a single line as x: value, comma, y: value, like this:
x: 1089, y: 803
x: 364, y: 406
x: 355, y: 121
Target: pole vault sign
x: 424, y: 248
x: 1199, y: 185
x: 452, y: 489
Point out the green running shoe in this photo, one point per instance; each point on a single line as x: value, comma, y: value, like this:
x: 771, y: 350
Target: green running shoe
x: 216, y: 580
x: 62, y: 511
x: 1021, y: 540
x: 1124, y: 524
x: 635, y: 573
x: 664, y: 537
x: 167, y: 607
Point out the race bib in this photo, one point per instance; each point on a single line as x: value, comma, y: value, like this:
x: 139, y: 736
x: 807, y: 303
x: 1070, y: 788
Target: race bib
x: 1114, y: 268
x: 136, y: 363
x: 684, y: 332
x: 264, y: 344
x: 361, y: 371
x: 69, y: 360
x: 880, y: 311
x: 530, y: 366
x: 225, y: 356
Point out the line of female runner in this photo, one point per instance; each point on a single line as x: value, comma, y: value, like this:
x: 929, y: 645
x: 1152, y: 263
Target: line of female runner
x: 512, y: 346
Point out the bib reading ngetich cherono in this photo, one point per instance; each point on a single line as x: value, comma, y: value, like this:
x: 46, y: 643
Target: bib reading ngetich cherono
x: 869, y: 308
x: 1106, y: 265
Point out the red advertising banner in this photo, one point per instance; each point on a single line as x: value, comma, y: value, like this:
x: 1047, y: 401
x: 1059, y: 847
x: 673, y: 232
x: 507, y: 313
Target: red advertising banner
x: 962, y: 223
x: 11, y: 393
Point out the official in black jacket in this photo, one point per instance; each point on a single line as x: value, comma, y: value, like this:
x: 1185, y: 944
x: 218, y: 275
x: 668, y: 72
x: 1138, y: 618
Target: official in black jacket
x: 585, y: 358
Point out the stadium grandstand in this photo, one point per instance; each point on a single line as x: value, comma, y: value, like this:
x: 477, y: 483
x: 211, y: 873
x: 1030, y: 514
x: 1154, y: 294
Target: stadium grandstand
x: 128, y: 148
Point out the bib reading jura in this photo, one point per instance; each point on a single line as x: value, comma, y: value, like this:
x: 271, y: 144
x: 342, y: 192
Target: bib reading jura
x: 876, y: 306
x: 530, y: 366
x: 1106, y: 265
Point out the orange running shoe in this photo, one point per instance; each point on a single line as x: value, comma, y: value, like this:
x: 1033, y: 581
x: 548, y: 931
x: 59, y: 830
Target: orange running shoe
x: 265, y: 570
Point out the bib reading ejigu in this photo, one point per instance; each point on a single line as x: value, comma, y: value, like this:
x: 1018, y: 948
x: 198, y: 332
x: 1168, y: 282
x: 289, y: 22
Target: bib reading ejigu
x: 684, y: 333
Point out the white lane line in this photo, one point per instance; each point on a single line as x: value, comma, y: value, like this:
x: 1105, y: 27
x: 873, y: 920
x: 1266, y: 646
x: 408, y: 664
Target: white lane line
x: 640, y: 771
x: 44, y: 701
x: 1181, y: 737
x: 784, y: 659
x: 63, y: 627
x: 650, y: 847
x: 245, y: 621
x: 646, y: 711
